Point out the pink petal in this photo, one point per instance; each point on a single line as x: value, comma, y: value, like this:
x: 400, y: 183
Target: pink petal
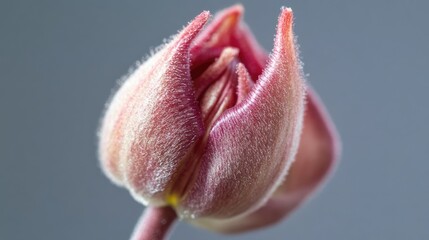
x: 153, y: 121
x: 317, y: 154
x: 252, y: 145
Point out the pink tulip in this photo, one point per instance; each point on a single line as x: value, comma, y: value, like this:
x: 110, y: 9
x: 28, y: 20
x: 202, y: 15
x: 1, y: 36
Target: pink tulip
x: 209, y: 126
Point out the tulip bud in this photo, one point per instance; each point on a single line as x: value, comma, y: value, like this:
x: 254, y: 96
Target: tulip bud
x: 210, y: 125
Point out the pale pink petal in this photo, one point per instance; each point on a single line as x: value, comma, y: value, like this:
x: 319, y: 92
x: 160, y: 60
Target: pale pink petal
x: 153, y: 121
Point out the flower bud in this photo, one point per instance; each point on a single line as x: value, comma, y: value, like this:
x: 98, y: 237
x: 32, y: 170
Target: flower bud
x: 210, y: 125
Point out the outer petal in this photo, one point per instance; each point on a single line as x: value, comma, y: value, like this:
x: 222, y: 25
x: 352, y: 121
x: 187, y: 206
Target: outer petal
x: 317, y: 154
x: 153, y: 121
x: 252, y: 145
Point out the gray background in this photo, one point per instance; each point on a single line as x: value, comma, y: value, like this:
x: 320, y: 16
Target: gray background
x: 59, y: 61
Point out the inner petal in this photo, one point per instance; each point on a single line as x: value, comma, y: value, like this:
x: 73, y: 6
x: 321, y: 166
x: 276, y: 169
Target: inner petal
x: 214, y: 71
x: 217, y: 89
x: 219, y: 96
x: 223, y: 81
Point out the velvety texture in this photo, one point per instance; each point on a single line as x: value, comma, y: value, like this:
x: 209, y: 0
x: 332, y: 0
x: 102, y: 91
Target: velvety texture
x: 210, y: 125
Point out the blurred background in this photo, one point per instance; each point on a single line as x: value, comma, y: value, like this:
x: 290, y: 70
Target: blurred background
x: 59, y: 61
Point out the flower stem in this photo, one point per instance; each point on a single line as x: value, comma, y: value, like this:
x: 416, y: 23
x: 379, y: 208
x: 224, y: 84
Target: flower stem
x: 154, y: 224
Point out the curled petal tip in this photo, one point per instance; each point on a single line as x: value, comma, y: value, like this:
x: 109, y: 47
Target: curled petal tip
x: 237, y: 7
x: 202, y: 18
x: 284, y: 36
x: 194, y: 27
x: 235, y: 11
x: 286, y: 9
